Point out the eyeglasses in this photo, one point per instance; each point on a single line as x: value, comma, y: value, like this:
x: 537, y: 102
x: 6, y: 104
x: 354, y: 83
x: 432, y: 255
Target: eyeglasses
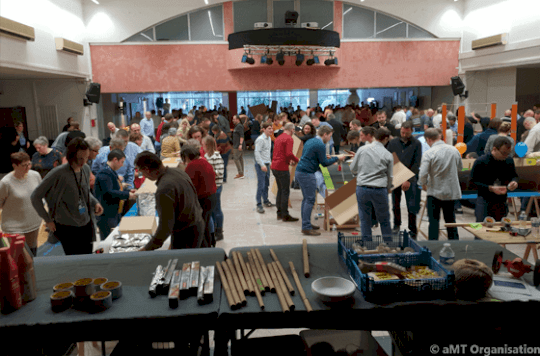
x: 26, y: 165
x: 97, y: 151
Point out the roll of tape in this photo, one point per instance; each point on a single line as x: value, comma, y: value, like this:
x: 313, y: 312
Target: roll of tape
x: 114, y: 287
x: 101, y: 300
x: 61, y: 301
x: 64, y: 286
x: 98, y: 282
x: 84, y: 287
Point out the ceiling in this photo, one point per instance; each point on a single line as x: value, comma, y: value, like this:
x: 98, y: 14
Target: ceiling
x: 16, y: 73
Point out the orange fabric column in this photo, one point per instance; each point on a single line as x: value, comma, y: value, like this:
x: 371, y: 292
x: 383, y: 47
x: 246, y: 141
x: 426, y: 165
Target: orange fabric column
x: 228, y: 19
x: 443, y: 122
x: 461, y: 123
x: 233, y: 103
x: 513, y: 128
x: 493, y: 110
x: 338, y: 18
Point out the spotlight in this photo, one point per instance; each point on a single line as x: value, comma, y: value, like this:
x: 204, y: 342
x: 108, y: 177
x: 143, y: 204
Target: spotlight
x: 291, y: 17
x: 269, y: 60
x: 250, y: 61
x: 312, y: 61
x: 299, y: 59
x: 244, y: 58
x: 280, y: 57
x: 263, y: 59
x: 331, y: 61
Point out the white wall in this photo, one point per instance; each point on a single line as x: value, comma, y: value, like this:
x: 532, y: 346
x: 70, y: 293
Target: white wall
x: 50, y: 19
x: 114, y: 21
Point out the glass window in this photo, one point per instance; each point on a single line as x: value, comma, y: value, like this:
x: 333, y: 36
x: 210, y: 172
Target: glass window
x: 246, y: 13
x: 357, y: 22
x: 415, y: 32
x: 207, y: 24
x: 280, y: 8
x: 173, y: 30
x: 145, y: 36
x: 318, y: 11
x: 389, y: 27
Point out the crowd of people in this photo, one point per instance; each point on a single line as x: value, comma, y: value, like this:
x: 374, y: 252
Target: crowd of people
x: 86, y: 182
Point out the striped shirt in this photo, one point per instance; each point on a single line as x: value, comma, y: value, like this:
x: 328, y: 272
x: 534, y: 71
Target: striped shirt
x: 219, y: 166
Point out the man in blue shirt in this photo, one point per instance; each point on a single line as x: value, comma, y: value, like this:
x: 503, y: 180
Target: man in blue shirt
x: 313, y: 155
x: 126, y: 172
x: 147, y: 126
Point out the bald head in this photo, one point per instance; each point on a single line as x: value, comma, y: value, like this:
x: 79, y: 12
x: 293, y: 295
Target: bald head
x: 508, y: 113
x: 111, y: 127
x: 528, y: 113
x: 136, y: 128
x: 148, y: 115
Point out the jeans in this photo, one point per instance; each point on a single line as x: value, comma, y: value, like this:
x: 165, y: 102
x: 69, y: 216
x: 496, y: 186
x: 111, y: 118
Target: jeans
x: 76, y: 240
x: 217, y: 214
x: 434, y: 206
x: 208, y: 204
x: 238, y: 157
x: 283, y: 178
x: 412, y: 197
x: 374, y: 199
x: 106, y: 224
x: 484, y: 209
x: 336, y: 148
x: 263, y: 182
x: 308, y: 185
x: 225, y: 158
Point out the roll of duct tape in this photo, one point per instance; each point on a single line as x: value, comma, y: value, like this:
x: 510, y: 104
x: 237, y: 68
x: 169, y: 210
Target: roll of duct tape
x: 114, y: 287
x: 64, y: 286
x: 98, y: 282
x: 84, y: 287
x: 61, y: 301
x: 101, y: 300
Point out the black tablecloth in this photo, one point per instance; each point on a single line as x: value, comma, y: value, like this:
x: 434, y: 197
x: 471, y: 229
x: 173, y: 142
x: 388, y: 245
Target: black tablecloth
x: 134, y: 315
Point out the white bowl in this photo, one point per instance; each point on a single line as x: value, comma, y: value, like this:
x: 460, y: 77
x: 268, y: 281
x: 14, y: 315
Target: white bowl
x: 333, y: 289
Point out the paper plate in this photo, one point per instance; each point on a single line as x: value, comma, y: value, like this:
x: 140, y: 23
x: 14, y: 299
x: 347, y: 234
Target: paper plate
x: 333, y: 289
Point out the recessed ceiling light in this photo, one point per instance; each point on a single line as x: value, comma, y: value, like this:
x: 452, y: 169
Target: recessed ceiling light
x: 95, y: 2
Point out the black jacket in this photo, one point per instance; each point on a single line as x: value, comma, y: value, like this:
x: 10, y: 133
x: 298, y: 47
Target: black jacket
x: 409, y: 153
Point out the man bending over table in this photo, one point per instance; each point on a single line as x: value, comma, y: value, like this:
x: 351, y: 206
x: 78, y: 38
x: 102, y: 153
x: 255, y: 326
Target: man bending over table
x: 179, y: 211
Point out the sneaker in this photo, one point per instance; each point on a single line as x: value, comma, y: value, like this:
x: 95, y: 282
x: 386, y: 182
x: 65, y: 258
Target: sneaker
x: 268, y: 204
x: 239, y: 176
x: 260, y: 210
x: 311, y: 232
x: 289, y: 218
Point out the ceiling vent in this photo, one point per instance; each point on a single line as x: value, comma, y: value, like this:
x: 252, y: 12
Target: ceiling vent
x: 489, y: 41
x: 69, y: 46
x: 13, y: 29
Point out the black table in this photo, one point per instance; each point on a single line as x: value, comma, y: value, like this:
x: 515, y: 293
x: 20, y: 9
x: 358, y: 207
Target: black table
x: 133, y: 316
x: 360, y: 314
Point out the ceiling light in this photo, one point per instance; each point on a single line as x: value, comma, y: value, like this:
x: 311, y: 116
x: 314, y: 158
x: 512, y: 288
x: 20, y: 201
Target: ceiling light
x: 280, y: 57
x: 331, y: 61
x: 299, y: 59
x: 250, y: 60
x: 269, y: 60
x: 263, y: 59
x: 95, y: 2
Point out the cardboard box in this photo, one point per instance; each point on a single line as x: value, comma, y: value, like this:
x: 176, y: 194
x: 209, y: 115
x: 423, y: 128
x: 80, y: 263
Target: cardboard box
x: 138, y: 225
x: 148, y: 186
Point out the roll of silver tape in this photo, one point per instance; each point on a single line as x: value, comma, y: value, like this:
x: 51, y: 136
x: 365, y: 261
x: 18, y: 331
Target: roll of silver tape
x: 98, y: 282
x: 61, y: 300
x: 84, y: 287
x: 101, y: 300
x: 64, y: 286
x: 114, y: 287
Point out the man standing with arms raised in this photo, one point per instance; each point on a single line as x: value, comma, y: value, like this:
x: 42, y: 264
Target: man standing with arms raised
x: 313, y: 155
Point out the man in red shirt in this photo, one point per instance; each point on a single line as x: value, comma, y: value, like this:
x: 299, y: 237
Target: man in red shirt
x: 204, y: 179
x: 283, y: 157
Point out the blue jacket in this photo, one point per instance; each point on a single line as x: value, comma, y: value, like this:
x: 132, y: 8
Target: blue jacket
x: 108, y: 191
x: 478, y: 143
x: 127, y: 170
x: 313, y: 155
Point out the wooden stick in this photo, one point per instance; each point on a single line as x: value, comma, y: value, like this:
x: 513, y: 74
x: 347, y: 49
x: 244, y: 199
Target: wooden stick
x: 237, y: 292
x: 282, y: 270
x: 236, y: 280
x: 306, y: 258
x: 256, y: 274
x: 265, y: 271
x: 281, y: 297
x: 257, y: 293
x: 225, y: 283
x: 240, y: 274
x: 244, y: 269
x: 281, y: 283
x: 468, y: 224
x: 255, y: 260
x: 299, y: 286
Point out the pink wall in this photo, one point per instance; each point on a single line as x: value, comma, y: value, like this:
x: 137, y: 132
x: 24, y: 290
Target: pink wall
x: 228, y: 19
x: 338, y: 17
x: 193, y: 67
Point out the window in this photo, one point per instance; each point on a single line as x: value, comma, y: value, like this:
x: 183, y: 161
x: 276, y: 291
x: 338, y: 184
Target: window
x: 333, y: 97
x: 207, y: 24
x: 389, y: 27
x: 357, y: 22
x: 173, y: 30
x: 318, y: 11
x: 246, y: 13
x: 284, y: 98
x: 145, y: 36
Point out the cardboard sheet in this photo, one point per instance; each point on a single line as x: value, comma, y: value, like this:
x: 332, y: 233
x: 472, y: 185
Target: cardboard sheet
x: 138, y: 225
x: 148, y: 186
x: 258, y: 109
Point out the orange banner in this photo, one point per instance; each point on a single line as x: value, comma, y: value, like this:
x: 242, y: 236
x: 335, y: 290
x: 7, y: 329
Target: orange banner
x: 461, y: 123
x: 513, y: 128
x: 443, y: 122
x: 493, y: 110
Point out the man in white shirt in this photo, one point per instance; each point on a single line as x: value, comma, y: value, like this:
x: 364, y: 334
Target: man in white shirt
x: 304, y: 118
x: 147, y: 142
x: 113, y: 129
x: 437, y: 119
x: 398, y: 118
x: 263, y: 158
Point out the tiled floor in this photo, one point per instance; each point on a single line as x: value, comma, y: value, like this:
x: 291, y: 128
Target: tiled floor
x: 243, y: 226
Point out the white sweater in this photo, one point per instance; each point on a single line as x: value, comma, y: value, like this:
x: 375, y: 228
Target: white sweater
x: 18, y: 214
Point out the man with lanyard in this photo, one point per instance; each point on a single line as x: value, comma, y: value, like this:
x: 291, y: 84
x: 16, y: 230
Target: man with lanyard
x: 409, y: 151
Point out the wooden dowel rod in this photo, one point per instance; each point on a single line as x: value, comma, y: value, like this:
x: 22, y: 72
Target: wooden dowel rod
x: 281, y: 283
x: 244, y: 269
x: 225, y: 283
x: 265, y: 270
x: 305, y: 257
x: 299, y: 286
x: 281, y: 298
x: 257, y: 265
x: 483, y: 224
x: 259, y: 284
x: 257, y: 293
x: 240, y: 274
x: 283, y: 273
x: 236, y: 280
x: 236, y: 292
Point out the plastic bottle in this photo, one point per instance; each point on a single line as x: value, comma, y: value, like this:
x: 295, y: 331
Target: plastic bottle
x: 535, y: 225
x: 447, y: 255
x: 334, y: 229
x: 522, y: 223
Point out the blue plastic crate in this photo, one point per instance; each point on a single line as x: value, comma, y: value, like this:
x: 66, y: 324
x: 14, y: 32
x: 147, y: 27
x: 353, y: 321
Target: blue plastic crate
x: 401, y: 240
x: 402, y: 290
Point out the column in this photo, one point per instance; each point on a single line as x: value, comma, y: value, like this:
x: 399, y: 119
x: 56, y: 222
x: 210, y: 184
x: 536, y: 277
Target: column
x: 313, y: 98
x: 233, y: 103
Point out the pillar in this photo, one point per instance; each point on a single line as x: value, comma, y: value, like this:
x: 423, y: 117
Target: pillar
x: 233, y: 102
